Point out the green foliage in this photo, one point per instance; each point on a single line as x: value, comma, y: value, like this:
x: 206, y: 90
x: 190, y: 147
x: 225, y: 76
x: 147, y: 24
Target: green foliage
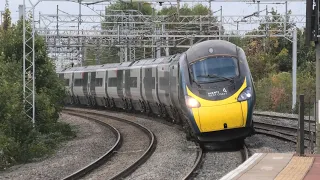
x: 274, y: 91
x: 6, y: 19
x: 19, y: 141
x: 144, y: 8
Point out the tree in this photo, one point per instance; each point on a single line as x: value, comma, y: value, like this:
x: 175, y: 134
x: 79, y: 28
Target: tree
x: 6, y: 17
x: 19, y: 141
x: 196, y: 11
x: 115, y: 13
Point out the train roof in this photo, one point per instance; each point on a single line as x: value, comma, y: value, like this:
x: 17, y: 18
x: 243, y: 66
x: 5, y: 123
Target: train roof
x: 137, y: 63
x: 211, y: 47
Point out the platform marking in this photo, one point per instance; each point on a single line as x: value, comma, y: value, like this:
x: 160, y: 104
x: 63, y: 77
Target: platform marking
x: 267, y: 168
x: 279, y: 157
x: 296, y: 169
x: 242, y: 167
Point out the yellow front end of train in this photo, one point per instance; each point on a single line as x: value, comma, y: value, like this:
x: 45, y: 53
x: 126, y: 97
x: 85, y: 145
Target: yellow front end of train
x: 219, y: 115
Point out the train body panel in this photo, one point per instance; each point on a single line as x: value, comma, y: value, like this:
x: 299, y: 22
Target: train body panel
x: 174, y: 82
x: 99, y: 85
x: 79, y: 83
x: 208, y: 88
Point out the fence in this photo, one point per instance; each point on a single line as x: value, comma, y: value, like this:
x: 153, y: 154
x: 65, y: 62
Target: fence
x: 307, y: 119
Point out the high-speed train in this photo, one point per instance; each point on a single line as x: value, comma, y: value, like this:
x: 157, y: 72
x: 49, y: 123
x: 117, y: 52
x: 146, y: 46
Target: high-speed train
x: 207, y: 89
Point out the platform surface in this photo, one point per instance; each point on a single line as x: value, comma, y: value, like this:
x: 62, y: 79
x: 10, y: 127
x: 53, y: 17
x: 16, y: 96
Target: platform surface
x: 278, y: 166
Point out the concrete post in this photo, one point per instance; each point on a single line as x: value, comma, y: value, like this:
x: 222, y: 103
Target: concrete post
x: 294, y: 69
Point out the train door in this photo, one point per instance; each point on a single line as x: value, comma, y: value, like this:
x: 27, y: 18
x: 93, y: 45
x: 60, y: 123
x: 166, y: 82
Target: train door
x: 72, y: 84
x: 93, y: 83
x: 174, y: 84
x: 89, y: 84
x: 85, y: 83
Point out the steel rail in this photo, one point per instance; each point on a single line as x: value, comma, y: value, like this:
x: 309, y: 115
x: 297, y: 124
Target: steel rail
x: 287, y: 133
x: 244, y: 152
x: 102, y: 159
x: 280, y: 128
x: 196, y: 164
x: 284, y: 117
x: 143, y: 158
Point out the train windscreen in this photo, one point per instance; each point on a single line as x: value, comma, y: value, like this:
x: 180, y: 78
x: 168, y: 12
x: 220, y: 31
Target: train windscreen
x: 213, y: 69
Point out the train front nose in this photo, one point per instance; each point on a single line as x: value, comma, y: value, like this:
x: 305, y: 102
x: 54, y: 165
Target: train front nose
x: 229, y: 113
x: 219, y: 117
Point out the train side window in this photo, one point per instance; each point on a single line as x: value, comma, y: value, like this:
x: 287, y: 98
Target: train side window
x: 78, y: 82
x: 98, y: 82
x: 112, y: 82
x: 133, y: 82
x: 66, y: 81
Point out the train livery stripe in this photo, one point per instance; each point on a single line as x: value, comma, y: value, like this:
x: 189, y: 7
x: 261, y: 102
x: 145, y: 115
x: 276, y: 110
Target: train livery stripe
x: 245, y: 107
x: 250, y: 105
x: 228, y: 100
x: 190, y: 114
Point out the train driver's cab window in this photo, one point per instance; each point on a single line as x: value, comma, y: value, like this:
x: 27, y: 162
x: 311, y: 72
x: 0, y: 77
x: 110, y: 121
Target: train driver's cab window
x: 214, y: 69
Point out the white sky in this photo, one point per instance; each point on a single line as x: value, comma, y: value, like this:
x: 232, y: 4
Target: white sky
x: 230, y: 8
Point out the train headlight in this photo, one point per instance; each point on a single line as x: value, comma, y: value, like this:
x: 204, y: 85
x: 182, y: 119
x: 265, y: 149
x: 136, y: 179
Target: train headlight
x: 192, y: 102
x: 245, y: 94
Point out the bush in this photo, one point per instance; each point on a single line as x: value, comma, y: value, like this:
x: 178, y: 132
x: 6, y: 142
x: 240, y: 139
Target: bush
x: 274, y: 93
x: 19, y: 141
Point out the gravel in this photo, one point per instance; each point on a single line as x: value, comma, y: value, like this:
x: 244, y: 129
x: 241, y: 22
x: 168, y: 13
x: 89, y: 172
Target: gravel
x: 92, y: 141
x: 260, y: 143
x: 134, y: 143
x: 217, y: 164
x: 173, y: 157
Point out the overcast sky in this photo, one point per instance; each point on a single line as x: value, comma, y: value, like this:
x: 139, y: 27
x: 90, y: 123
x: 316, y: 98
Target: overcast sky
x: 229, y: 8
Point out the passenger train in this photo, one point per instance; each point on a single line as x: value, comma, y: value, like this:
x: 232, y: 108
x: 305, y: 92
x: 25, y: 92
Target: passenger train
x: 207, y: 89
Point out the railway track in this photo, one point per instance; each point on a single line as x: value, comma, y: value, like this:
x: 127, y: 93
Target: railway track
x: 129, y: 155
x: 292, y: 117
x: 285, y: 132
x: 278, y: 131
x: 81, y: 172
x: 190, y: 173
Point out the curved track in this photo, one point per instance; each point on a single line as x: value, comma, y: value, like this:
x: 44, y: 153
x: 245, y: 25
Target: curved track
x: 123, y: 163
x: 294, y: 117
x: 81, y: 172
x: 281, y: 131
x: 190, y: 174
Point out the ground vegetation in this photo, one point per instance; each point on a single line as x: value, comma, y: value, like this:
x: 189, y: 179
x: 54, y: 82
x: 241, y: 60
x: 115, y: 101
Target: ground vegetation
x: 20, y: 141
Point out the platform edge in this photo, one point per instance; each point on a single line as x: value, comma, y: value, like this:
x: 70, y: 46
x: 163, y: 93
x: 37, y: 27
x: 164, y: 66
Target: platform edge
x: 242, y: 167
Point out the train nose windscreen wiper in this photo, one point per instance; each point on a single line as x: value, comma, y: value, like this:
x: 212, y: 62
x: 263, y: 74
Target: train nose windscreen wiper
x: 215, y: 76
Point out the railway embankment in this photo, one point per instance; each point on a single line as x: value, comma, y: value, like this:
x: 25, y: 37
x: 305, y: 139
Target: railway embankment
x: 91, y: 142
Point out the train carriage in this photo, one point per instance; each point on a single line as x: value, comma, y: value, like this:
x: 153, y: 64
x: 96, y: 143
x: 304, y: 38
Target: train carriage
x: 208, y: 89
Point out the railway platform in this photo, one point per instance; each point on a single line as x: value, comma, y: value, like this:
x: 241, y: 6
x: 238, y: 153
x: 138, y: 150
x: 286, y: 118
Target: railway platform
x: 278, y: 166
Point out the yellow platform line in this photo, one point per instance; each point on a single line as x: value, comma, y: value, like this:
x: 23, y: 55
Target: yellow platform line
x: 296, y: 169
